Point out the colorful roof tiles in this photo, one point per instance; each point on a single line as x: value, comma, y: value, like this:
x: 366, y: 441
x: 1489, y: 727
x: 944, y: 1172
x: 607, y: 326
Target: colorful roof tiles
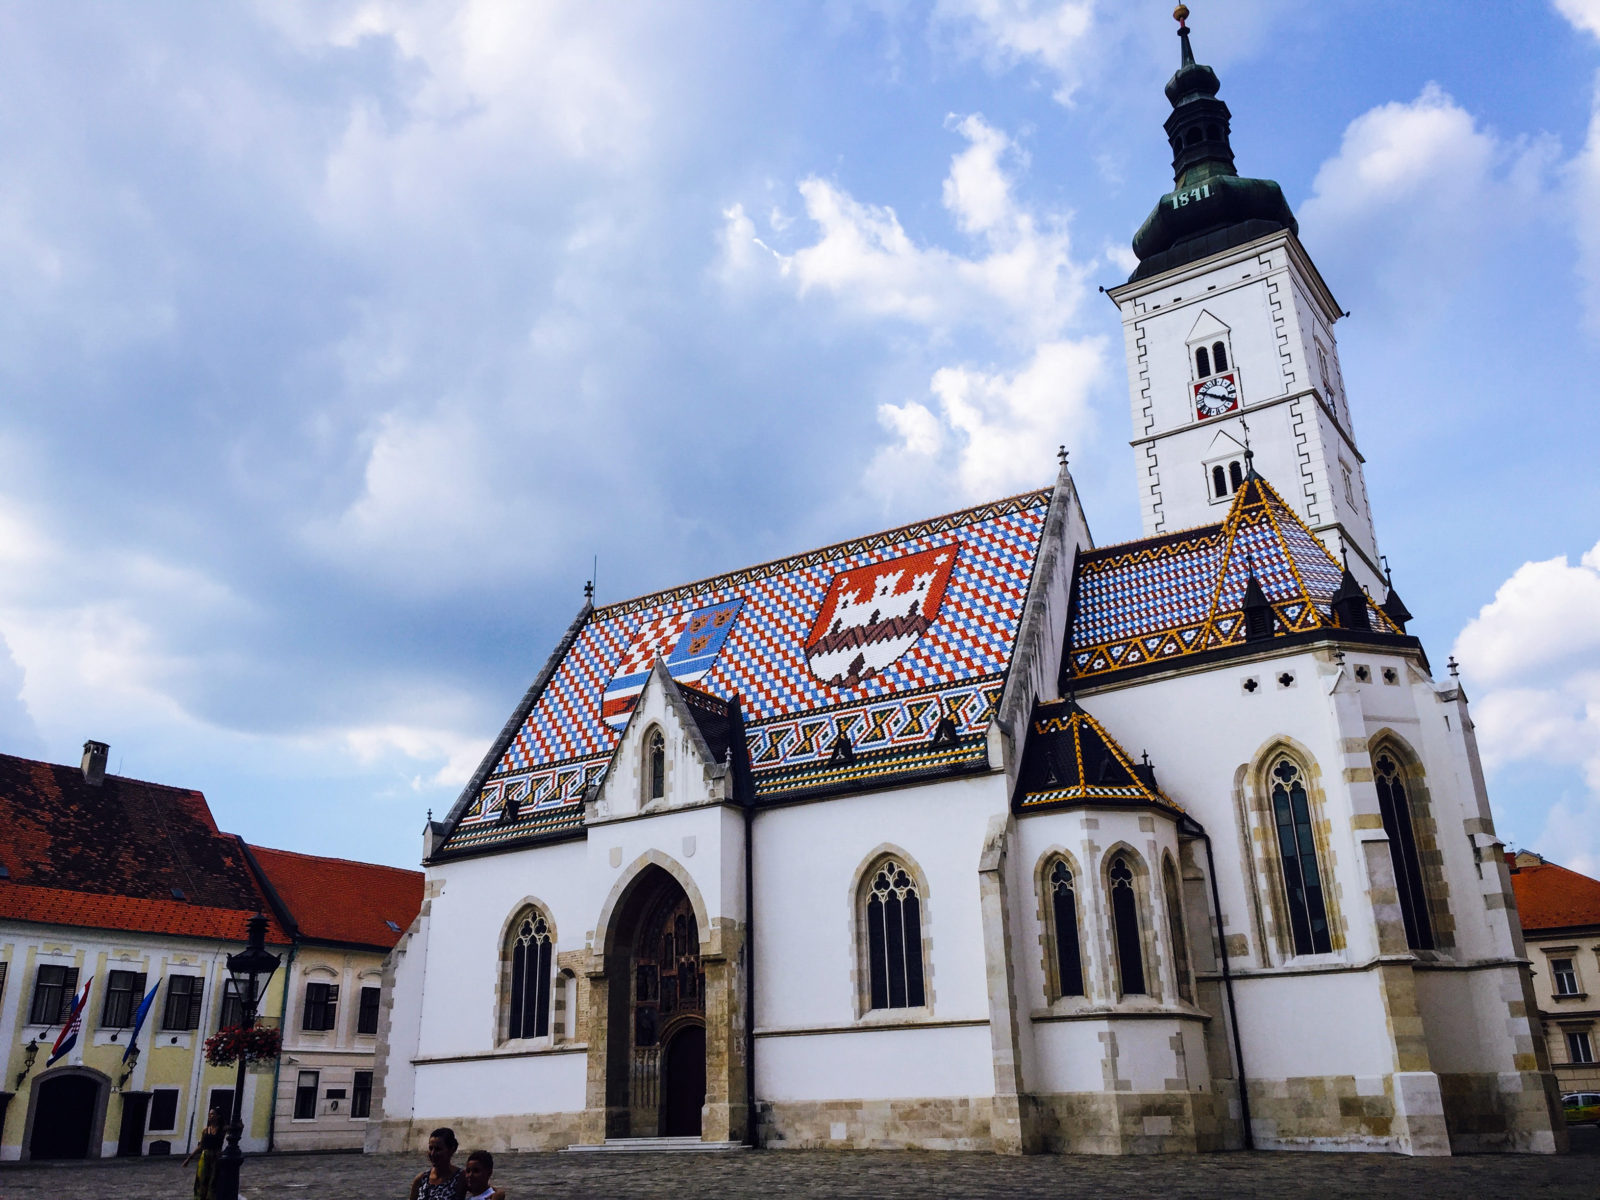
x: 1070, y: 760
x: 1163, y: 598
x: 879, y: 642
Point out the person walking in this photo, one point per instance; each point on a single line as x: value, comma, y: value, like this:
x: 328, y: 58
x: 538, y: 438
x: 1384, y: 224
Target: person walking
x: 205, y: 1174
x: 441, y: 1181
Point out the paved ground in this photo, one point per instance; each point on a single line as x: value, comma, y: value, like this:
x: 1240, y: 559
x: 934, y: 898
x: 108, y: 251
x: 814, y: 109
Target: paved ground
x: 834, y: 1175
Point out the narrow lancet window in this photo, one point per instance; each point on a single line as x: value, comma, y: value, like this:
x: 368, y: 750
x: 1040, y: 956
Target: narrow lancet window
x: 1064, y: 910
x: 658, y: 765
x: 1175, y: 930
x: 1125, y: 927
x: 1297, y: 847
x: 1219, y: 481
x: 1396, y: 810
x: 1236, y: 475
x: 1202, y: 362
x: 530, y: 979
x: 894, y: 939
x: 1219, y: 355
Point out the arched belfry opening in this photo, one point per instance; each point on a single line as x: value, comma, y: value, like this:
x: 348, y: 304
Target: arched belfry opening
x: 664, y: 1058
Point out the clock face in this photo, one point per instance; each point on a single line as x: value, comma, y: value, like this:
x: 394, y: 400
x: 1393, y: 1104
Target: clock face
x: 1217, y: 395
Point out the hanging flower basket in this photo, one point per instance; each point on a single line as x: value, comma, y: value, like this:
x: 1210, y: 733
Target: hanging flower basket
x: 228, y: 1046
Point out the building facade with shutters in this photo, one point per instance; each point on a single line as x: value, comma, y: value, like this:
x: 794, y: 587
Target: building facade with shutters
x: 1560, y: 911
x: 123, y: 886
x: 342, y: 917
x: 974, y: 834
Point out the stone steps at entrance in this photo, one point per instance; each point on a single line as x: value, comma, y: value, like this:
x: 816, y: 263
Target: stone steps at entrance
x: 657, y: 1145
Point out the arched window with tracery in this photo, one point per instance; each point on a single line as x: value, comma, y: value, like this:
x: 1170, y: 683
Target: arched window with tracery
x: 1297, y: 852
x: 1175, y: 929
x: 531, y: 948
x: 894, y: 938
x: 1063, y: 887
x: 1125, y: 928
x: 1395, y: 805
x: 657, y: 766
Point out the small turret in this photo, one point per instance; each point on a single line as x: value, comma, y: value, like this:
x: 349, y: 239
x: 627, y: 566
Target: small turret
x: 1258, y: 619
x: 1393, y: 607
x: 1349, y: 603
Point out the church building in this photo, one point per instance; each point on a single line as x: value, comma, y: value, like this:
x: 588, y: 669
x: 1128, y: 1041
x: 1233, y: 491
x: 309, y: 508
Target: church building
x: 974, y: 834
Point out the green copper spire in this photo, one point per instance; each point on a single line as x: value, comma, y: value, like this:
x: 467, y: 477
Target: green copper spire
x: 1211, y: 208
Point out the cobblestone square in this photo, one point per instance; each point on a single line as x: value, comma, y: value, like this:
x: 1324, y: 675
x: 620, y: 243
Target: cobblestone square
x: 878, y: 1175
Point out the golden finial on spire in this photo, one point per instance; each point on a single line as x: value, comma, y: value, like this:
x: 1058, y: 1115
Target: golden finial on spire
x: 1181, y: 13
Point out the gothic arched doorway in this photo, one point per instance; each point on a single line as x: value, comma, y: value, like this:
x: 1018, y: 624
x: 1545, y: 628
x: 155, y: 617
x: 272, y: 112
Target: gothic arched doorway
x: 663, y: 1039
x: 64, y: 1116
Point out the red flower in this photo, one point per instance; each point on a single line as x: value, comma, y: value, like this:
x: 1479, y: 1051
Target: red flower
x: 257, y: 1044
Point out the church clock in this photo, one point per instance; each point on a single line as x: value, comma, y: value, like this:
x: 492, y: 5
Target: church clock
x: 1215, y: 396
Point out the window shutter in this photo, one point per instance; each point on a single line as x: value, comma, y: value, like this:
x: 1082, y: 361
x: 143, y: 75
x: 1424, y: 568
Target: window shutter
x: 69, y: 994
x: 196, y: 1002
x: 330, y: 1014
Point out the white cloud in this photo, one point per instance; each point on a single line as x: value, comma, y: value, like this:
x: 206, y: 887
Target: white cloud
x: 1535, y: 650
x: 456, y: 755
x: 1584, y: 14
x: 1052, y: 34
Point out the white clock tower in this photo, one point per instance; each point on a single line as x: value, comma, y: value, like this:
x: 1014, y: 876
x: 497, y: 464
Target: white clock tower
x: 1229, y: 334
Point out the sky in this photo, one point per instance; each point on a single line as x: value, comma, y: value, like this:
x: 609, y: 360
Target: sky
x: 340, y: 340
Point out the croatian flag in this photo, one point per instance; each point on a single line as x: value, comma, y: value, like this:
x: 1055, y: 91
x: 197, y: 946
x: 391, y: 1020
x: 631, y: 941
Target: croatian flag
x: 689, y: 641
x: 138, y: 1021
x: 69, y: 1034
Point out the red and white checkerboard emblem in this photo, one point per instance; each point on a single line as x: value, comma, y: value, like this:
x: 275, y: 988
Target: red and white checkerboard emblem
x: 873, y: 614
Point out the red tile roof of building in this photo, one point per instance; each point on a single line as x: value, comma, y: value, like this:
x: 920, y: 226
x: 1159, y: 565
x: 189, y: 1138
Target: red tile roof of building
x: 336, y: 900
x: 125, y: 854
x: 1550, y: 896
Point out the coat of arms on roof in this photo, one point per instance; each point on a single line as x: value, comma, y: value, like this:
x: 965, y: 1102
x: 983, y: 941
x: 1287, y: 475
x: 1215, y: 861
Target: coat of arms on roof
x: 873, y: 614
x: 689, y: 641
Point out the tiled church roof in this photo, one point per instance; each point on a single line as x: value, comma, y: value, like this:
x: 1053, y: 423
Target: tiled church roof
x: 1550, y: 896
x: 337, y: 900
x: 1166, y: 597
x: 877, y: 658
x: 1070, y: 759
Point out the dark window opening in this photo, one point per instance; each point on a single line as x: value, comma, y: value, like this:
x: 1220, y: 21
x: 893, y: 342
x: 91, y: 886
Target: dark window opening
x: 183, y: 1008
x: 1219, y: 356
x: 322, y: 1006
x: 361, y: 1095
x: 124, y: 990
x: 1125, y: 925
x: 163, y: 1110
x: 1219, y: 481
x: 367, y: 1014
x: 1213, y: 133
x: 1193, y: 136
x: 54, y: 989
x: 894, y: 939
x: 1202, y: 361
x: 1235, y: 475
x: 305, y: 1096
x: 658, y: 765
x: 1064, y: 907
x: 1563, y: 979
x: 1297, y: 847
x: 1396, y: 810
x: 530, y: 979
x: 232, y: 1015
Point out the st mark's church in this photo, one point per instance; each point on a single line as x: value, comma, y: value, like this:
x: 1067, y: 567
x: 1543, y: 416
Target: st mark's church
x: 975, y: 834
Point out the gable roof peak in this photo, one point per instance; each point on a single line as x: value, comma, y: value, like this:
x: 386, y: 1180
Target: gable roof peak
x: 1069, y: 759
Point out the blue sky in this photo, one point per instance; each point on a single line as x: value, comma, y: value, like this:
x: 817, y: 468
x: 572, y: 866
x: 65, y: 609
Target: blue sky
x: 336, y: 339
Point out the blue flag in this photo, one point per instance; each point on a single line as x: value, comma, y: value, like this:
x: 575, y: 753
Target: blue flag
x: 69, y: 1035
x: 138, y: 1021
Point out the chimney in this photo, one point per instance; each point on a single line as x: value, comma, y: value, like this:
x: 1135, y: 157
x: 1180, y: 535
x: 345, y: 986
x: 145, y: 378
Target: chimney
x: 94, y: 762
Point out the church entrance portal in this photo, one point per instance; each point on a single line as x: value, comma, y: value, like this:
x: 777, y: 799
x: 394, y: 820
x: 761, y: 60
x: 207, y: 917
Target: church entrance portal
x: 665, y: 1033
x: 63, y: 1117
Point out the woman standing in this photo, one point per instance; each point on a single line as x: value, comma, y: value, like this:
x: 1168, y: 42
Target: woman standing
x: 440, y: 1181
x: 205, y: 1175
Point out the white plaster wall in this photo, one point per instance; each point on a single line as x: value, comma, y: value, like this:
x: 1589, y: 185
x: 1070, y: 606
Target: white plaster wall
x: 1465, y: 1015
x: 544, y: 1083
x: 808, y: 860
x: 1068, y: 1057
x: 876, y: 1064
x: 1324, y: 1024
x: 706, y: 843
x: 410, y: 957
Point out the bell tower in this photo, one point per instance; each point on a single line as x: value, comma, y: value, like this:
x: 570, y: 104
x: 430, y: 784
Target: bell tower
x: 1228, y: 328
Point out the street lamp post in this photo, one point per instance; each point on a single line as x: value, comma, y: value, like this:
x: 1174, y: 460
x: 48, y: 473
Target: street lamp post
x: 245, y: 967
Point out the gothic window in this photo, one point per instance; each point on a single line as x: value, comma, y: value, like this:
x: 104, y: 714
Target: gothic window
x: 1297, y: 848
x: 1235, y: 475
x: 1064, y: 926
x: 1175, y: 930
x: 1219, y: 356
x: 1202, y: 361
x: 1125, y: 928
x: 1219, y: 480
x: 531, y: 949
x: 894, y: 938
x: 1396, y: 809
x: 658, y: 765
